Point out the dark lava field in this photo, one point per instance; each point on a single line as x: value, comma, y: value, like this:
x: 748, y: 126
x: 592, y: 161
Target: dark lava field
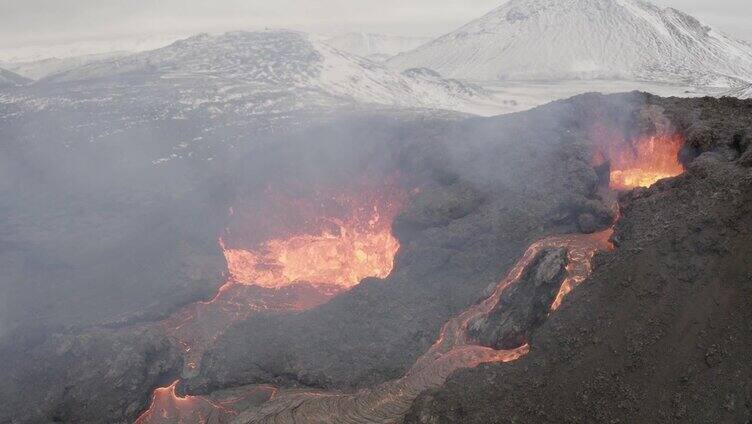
x: 587, y: 261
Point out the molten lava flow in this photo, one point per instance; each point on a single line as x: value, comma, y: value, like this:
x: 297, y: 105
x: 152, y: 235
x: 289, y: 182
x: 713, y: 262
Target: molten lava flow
x: 389, y: 402
x: 167, y: 406
x: 453, y: 350
x: 337, y: 251
x: 196, y: 327
x: 645, y: 161
x: 337, y: 255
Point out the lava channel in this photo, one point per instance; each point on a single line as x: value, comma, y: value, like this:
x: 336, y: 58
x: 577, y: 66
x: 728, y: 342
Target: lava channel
x: 452, y: 350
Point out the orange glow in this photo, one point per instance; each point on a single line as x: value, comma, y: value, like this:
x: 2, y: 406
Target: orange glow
x: 645, y: 161
x: 197, y: 326
x: 166, y: 406
x: 335, y: 241
x: 388, y: 402
x: 453, y: 350
x: 579, y: 264
x: 336, y: 251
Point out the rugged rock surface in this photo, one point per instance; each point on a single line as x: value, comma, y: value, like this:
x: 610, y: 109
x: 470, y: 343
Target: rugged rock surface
x: 661, y: 331
x: 92, y: 377
x: 523, y: 307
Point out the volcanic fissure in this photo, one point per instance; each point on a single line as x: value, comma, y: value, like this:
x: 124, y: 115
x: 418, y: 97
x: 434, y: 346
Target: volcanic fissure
x: 342, y: 238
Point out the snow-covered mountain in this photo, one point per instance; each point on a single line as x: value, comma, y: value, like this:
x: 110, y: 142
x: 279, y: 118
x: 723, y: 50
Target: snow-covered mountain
x: 375, y: 46
x: 207, y: 96
x: 278, y: 61
x: 742, y: 93
x: 528, y: 40
x: 8, y: 78
x: 37, y: 69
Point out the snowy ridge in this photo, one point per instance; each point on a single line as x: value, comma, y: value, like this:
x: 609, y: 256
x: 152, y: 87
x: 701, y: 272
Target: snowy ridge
x: 41, y: 68
x: 375, y: 46
x: 278, y: 60
x: 742, y: 93
x: 527, y: 40
x: 9, y: 79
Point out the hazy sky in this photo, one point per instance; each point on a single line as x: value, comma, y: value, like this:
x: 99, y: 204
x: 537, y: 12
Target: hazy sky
x: 91, y: 24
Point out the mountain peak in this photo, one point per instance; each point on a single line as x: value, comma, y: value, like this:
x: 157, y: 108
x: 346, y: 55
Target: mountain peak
x: 586, y: 39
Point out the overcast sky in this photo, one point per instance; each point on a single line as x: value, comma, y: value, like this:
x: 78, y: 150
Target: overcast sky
x: 26, y: 25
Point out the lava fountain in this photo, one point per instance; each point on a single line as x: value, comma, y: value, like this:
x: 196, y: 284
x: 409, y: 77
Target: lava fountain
x: 328, y: 243
x: 339, y: 251
x: 650, y: 159
x: 643, y: 161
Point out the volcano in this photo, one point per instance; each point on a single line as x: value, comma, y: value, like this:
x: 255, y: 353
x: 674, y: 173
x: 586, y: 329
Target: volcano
x: 557, y: 40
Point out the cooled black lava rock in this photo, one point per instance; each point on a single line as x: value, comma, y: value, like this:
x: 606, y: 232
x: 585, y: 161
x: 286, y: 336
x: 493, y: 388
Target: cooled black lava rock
x: 524, y: 306
x: 98, y: 376
x: 660, y: 332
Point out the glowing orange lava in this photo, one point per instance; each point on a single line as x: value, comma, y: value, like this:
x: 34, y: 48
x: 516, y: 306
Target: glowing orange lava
x: 645, y: 161
x: 339, y: 251
x: 388, y: 402
x: 333, y: 242
x: 167, y: 406
x: 453, y: 350
x: 197, y: 326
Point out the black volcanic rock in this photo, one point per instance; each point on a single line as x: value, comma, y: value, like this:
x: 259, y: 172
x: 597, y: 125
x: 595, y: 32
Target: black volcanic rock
x: 93, y: 377
x: 523, y: 307
x: 661, y: 330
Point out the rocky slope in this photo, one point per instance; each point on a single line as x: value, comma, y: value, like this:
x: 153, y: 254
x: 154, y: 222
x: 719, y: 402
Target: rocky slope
x: 524, y: 307
x: 10, y: 79
x: 93, y: 377
x: 660, y: 332
x: 280, y: 62
x: 586, y: 39
x: 37, y: 69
